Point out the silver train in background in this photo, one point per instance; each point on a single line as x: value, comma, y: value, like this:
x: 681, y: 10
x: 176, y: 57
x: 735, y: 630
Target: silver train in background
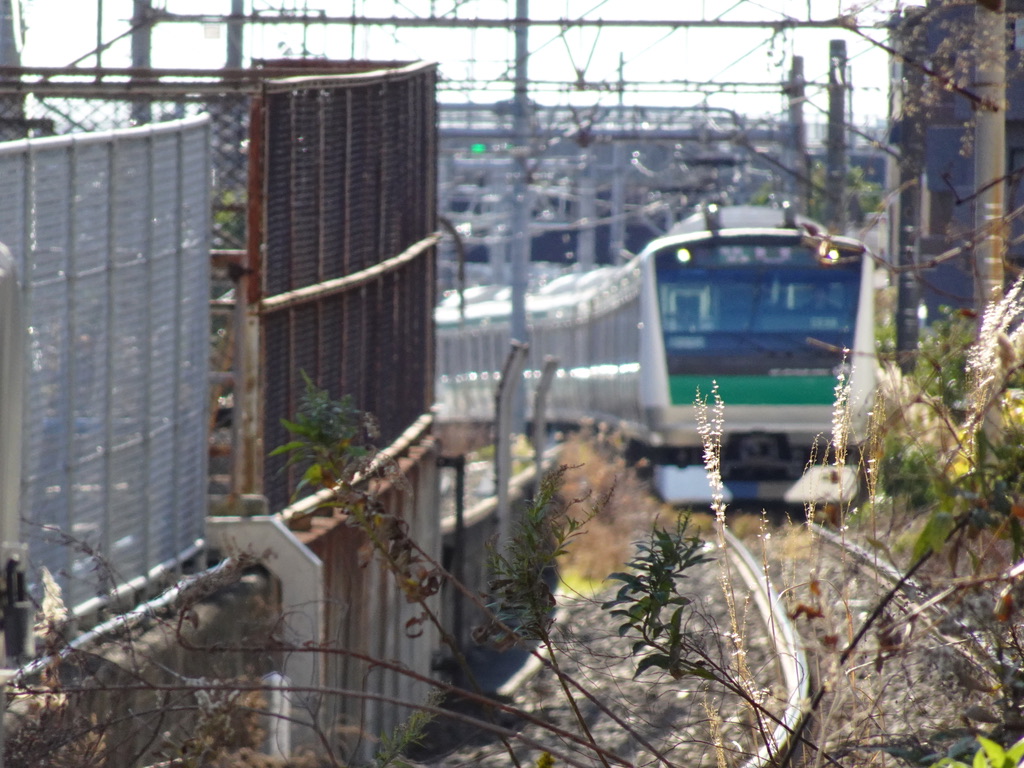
x: 756, y: 302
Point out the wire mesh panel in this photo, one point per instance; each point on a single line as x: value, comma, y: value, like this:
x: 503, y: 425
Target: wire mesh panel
x: 110, y: 232
x: 48, y: 115
x: 350, y: 187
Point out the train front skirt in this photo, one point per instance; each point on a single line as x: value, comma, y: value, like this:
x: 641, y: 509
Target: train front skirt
x: 818, y: 485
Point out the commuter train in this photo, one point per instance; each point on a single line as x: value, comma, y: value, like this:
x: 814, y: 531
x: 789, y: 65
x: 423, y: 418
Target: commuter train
x: 755, y: 303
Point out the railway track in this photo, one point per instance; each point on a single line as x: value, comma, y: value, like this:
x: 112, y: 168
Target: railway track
x: 918, y: 683
x: 736, y: 626
x: 916, y: 686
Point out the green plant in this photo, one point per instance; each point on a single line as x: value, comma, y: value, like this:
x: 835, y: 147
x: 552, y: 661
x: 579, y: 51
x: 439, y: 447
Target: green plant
x: 953, y: 458
x: 989, y: 755
x: 953, y: 446
x: 405, y: 735
x: 520, y: 588
x: 326, y: 433
x: 650, y: 605
x: 523, y: 599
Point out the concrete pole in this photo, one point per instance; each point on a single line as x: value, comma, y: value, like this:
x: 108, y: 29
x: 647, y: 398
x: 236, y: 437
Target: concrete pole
x: 10, y: 33
x: 521, y: 245
x: 909, y: 95
x: 142, y: 46
x: 835, y: 193
x: 799, y: 161
x: 236, y: 29
x: 99, y: 34
x: 989, y: 154
x: 586, y: 240
x: 13, y: 107
x: 618, y: 224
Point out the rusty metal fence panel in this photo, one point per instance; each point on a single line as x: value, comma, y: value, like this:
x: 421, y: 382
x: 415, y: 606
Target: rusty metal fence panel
x: 347, y: 271
x: 110, y: 232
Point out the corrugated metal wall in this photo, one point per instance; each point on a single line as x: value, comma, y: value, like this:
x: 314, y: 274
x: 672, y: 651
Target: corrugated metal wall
x: 347, y: 273
x: 110, y: 234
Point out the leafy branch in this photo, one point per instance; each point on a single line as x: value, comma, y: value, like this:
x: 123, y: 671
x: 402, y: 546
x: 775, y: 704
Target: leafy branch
x: 325, y: 433
x: 649, y: 602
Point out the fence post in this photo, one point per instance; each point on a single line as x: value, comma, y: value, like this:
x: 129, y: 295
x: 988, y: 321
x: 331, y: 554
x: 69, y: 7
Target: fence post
x: 247, y: 469
x: 15, y: 613
x: 507, y: 387
x: 540, y: 416
x: 12, y: 373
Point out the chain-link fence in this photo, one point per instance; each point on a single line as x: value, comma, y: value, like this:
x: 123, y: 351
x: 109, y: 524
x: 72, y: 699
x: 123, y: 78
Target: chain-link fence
x: 69, y: 105
x: 110, y: 232
x: 347, y: 273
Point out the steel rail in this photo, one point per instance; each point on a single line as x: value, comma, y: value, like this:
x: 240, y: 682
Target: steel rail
x: 789, y: 650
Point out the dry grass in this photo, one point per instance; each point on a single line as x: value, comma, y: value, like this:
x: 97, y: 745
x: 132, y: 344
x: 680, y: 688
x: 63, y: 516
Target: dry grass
x: 600, y: 480
x: 626, y: 509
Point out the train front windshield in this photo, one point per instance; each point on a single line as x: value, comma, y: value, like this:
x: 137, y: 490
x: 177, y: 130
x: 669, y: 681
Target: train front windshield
x: 750, y: 304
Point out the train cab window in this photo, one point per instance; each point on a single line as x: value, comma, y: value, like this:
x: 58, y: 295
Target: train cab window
x: 684, y: 308
x: 727, y: 310
x: 736, y: 301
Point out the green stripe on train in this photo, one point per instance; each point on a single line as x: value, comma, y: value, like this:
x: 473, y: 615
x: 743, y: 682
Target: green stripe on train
x: 756, y: 390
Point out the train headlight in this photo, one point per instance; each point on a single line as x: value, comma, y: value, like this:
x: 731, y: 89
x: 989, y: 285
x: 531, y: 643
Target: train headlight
x: 833, y: 249
x: 683, y: 255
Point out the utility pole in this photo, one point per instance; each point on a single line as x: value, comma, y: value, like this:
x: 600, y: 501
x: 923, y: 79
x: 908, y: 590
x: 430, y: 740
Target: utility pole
x: 142, y: 46
x: 586, y: 239
x: 989, y: 153
x: 835, y: 192
x: 99, y: 34
x: 521, y: 239
x: 521, y: 245
x: 617, y: 231
x: 799, y: 162
x: 909, y: 94
x: 236, y: 28
x: 10, y: 33
x: 12, y: 107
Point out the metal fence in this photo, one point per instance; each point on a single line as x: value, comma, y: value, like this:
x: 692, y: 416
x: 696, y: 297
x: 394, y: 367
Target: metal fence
x: 345, y: 286
x: 72, y: 104
x: 110, y: 234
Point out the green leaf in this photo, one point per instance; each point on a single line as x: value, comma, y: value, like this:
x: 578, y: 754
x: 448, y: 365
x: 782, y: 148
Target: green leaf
x: 1015, y: 754
x: 314, y: 475
x: 933, y: 537
x: 659, y: 660
x: 994, y: 753
x: 287, y: 448
x: 698, y: 671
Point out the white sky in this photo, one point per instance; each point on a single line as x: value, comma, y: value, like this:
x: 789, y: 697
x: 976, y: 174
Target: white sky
x: 60, y: 31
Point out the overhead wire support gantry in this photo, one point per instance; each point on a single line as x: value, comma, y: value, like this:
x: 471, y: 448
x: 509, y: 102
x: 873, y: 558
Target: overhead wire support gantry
x: 838, y: 22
